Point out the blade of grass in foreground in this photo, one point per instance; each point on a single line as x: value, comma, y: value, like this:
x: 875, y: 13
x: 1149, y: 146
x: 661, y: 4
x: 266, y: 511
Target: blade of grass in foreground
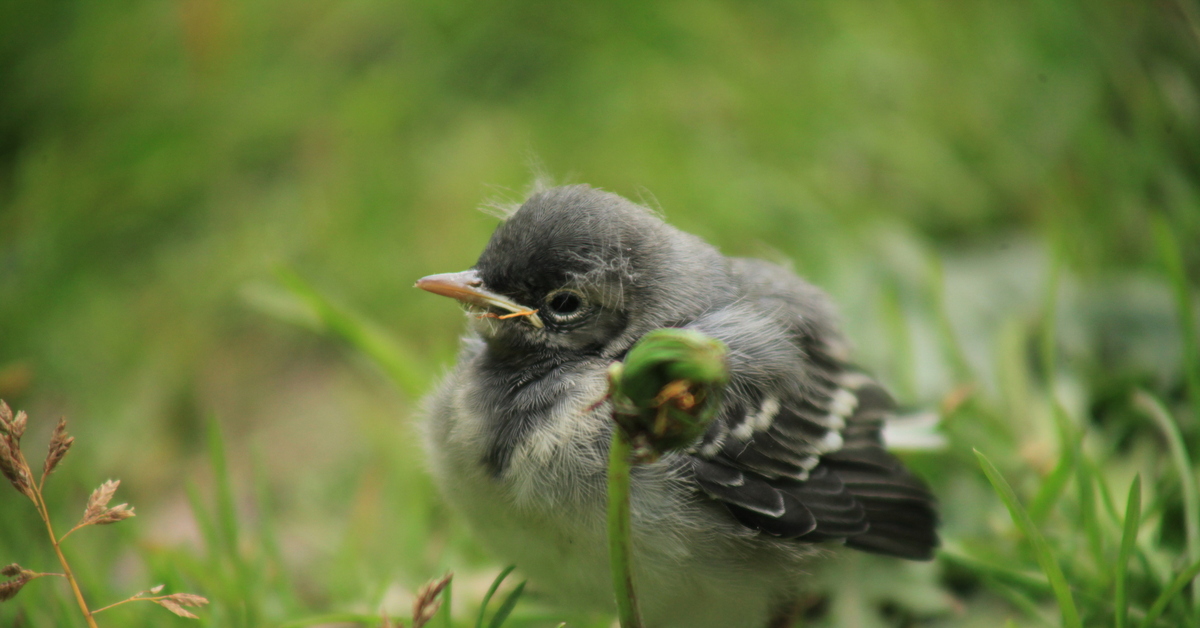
x: 1041, y: 550
x: 1034, y: 580
x: 1169, y: 594
x: 1151, y: 406
x: 1020, y: 600
x: 1168, y: 248
x: 1049, y: 342
x: 951, y: 346
x: 1133, y: 518
x: 228, y: 526
x: 1051, y: 489
x: 226, y: 512
x: 1071, y: 446
x: 1087, y: 510
x: 279, y: 575
x: 1068, y: 453
x: 490, y: 592
x: 396, y: 361
x: 507, y: 607
x: 1106, y: 497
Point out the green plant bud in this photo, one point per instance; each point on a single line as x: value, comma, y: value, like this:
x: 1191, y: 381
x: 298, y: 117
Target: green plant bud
x: 668, y: 390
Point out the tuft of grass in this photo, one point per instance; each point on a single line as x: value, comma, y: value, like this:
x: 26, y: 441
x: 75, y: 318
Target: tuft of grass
x: 1041, y: 549
x: 1172, y: 260
x: 1177, y: 584
x: 1133, y: 519
x: 1153, y: 408
x: 506, y: 607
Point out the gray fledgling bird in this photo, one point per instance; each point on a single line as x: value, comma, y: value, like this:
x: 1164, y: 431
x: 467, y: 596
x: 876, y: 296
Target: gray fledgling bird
x: 724, y: 532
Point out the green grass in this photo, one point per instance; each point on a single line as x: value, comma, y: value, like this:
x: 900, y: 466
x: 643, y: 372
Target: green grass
x: 1003, y: 198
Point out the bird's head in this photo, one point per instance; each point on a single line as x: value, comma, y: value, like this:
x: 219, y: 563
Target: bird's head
x: 581, y: 270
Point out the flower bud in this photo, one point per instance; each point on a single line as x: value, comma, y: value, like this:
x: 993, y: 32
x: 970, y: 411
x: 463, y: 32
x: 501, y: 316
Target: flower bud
x: 668, y: 390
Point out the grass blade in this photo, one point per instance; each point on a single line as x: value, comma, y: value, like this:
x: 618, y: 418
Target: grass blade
x: 1169, y: 594
x: 1049, y: 341
x: 898, y: 329
x: 1068, y: 461
x: 1153, y: 408
x: 1106, y: 497
x: 1031, y: 580
x: 1087, y: 510
x: 1041, y: 550
x: 951, y: 346
x: 227, y: 524
x: 1172, y: 258
x: 278, y: 574
x: 490, y: 592
x: 1133, y: 519
x: 1168, y: 248
x: 507, y: 607
x: 447, y: 598
x: 1019, y: 600
x: 1051, y: 489
x: 395, y: 359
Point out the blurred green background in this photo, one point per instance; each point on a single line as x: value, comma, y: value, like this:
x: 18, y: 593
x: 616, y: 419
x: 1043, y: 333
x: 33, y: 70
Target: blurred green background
x: 1003, y: 197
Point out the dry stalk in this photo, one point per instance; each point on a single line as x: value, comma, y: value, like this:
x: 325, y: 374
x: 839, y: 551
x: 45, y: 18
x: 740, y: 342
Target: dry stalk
x: 429, y: 600
x: 16, y: 470
x: 425, y: 605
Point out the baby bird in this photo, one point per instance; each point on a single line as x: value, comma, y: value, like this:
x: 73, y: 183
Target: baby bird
x: 726, y: 531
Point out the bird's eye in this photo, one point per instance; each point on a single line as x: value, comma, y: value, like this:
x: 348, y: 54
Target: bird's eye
x: 565, y: 305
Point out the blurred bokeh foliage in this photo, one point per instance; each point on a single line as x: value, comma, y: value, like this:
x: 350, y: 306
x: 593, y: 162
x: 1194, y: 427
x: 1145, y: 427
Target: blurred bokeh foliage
x: 977, y: 183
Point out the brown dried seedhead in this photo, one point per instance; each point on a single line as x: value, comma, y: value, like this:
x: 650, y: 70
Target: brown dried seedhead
x: 17, y: 576
x: 176, y: 601
x: 12, y: 463
x: 425, y: 606
x: 429, y: 600
x: 60, y: 443
x: 97, y: 512
x: 16, y: 470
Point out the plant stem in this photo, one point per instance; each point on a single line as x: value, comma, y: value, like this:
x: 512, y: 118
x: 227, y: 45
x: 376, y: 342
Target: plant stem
x: 136, y: 598
x: 45, y: 513
x: 619, y: 550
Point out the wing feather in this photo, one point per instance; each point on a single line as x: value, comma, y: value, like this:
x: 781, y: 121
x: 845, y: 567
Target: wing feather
x: 795, y: 477
x: 797, y: 451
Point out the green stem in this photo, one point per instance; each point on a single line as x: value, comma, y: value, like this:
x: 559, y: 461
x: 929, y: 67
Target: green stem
x: 619, y: 550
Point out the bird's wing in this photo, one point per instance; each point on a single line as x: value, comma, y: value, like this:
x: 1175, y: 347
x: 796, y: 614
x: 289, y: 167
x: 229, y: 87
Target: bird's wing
x: 797, y: 450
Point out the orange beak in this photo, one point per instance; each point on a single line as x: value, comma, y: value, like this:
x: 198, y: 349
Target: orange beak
x: 468, y: 288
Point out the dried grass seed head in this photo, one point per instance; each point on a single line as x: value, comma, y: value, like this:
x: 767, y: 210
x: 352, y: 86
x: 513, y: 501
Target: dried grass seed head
x: 100, y: 498
x: 427, y: 602
x: 13, y: 466
x: 120, y: 512
x: 17, y: 425
x: 9, y: 588
x: 175, y: 607
x: 186, y: 599
x: 60, y: 444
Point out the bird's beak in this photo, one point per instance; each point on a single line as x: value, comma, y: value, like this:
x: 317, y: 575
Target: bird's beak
x: 468, y: 288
